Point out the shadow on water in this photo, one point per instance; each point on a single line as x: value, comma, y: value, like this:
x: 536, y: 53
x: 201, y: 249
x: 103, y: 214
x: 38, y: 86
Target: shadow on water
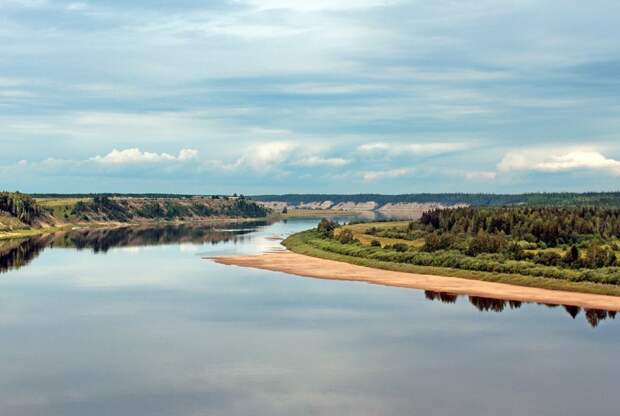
x: 15, y: 254
x: 484, y: 304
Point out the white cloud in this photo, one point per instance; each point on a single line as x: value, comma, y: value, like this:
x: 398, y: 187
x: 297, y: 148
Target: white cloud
x: 271, y: 155
x: 319, y: 161
x: 481, y: 175
x: 382, y: 174
x: 421, y: 149
x: 542, y: 160
x: 135, y: 155
x: 267, y: 155
x: 316, y: 5
x: 372, y: 147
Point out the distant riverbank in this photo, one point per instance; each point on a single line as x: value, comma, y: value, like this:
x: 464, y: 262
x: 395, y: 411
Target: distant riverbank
x: 303, y: 265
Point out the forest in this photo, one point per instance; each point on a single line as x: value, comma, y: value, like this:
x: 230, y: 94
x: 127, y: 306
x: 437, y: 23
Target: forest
x: 23, y: 207
x: 572, y: 244
x: 602, y: 199
x: 22, y: 212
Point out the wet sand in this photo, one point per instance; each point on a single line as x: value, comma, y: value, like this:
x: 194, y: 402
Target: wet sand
x: 300, y: 265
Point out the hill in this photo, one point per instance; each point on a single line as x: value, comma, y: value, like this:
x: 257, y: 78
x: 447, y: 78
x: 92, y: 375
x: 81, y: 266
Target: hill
x: 20, y: 211
x: 376, y: 201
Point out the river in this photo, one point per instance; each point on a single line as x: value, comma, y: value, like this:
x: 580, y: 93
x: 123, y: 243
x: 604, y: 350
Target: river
x: 141, y: 322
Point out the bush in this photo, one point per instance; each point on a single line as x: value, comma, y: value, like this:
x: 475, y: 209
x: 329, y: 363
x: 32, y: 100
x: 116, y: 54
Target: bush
x: 435, y: 241
x: 326, y: 228
x: 375, y: 243
x: 346, y: 237
x: 400, y: 247
x: 486, y: 243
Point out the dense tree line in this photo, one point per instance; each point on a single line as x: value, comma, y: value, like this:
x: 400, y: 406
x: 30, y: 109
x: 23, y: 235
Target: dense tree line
x: 600, y: 199
x: 21, y: 206
x: 452, y: 258
x: 556, y: 242
x: 103, y: 207
x: 550, y: 225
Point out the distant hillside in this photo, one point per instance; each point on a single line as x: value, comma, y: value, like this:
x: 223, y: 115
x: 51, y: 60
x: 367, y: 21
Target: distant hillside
x: 605, y: 199
x: 20, y: 211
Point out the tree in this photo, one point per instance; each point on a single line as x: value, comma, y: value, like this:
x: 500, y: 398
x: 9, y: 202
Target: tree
x: 346, y: 237
x: 486, y: 243
x: 326, y: 228
x: 572, y: 256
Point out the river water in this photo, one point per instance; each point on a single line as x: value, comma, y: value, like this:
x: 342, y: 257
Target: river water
x: 139, y: 322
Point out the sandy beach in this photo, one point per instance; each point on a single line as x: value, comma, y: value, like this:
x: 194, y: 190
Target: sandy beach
x: 301, y: 265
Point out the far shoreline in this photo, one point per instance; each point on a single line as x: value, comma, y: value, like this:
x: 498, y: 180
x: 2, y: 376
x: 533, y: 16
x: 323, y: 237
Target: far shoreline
x: 315, y: 267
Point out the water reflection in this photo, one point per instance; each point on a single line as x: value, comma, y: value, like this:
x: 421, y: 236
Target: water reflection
x: 484, y: 304
x: 15, y: 254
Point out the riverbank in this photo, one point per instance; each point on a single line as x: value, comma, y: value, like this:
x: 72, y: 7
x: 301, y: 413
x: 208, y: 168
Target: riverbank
x: 303, y: 265
x: 36, y: 232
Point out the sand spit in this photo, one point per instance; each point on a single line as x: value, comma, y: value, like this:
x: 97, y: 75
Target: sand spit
x: 300, y: 265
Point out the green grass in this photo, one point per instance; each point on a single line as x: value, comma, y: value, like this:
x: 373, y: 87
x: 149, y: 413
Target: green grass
x: 60, y: 207
x: 32, y: 232
x: 308, y: 243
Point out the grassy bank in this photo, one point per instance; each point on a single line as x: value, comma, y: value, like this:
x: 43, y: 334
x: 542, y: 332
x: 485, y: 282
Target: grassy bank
x: 35, y: 232
x: 310, y: 243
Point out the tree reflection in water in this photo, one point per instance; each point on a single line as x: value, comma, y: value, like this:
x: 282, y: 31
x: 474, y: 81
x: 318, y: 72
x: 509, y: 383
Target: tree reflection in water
x: 18, y: 253
x: 484, y: 304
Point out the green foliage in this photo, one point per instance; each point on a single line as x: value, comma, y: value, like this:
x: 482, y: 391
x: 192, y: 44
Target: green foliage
x: 346, y: 237
x: 453, y: 263
x: 326, y: 228
x: 598, y: 256
x: 437, y: 241
x: 603, y: 199
x: 547, y: 226
x: 400, y: 247
x: 21, y: 206
x: 486, y: 243
x: 452, y: 259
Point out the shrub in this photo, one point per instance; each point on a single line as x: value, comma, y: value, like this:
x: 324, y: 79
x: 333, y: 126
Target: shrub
x: 486, y: 243
x: 435, y: 241
x: 326, y: 228
x: 375, y: 243
x: 346, y: 237
x: 400, y: 247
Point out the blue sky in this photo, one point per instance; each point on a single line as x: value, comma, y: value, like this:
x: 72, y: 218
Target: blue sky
x: 271, y: 96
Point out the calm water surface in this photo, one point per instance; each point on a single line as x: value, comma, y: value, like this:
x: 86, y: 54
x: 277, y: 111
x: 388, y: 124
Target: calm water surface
x: 139, y: 323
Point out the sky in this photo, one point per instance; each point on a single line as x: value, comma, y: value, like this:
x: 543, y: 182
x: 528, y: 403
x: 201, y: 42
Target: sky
x: 312, y: 96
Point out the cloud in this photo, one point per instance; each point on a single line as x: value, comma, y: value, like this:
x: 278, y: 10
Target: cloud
x: 319, y: 161
x: 481, y: 175
x: 317, y: 5
x: 266, y: 156
x: 417, y: 149
x: 375, y: 175
x: 284, y: 154
x: 135, y: 156
x: 558, y: 161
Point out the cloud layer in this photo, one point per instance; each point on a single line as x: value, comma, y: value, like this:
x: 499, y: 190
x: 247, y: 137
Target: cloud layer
x: 282, y: 96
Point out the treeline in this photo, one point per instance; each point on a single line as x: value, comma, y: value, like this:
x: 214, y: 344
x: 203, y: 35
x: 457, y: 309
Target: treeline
x: 600, y: 199
x: 455, y: 259
x: 576, y: 244
x: 550, y: 225
x: 21, y: 206
x: 105, y: 208
x: 131, y: 195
